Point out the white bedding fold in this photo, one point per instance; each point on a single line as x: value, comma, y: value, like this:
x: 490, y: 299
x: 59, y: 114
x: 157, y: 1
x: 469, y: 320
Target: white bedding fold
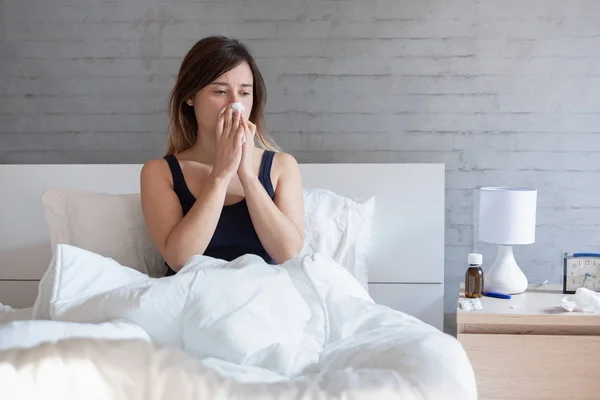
x: 307, y: 324
x: 24, y: 334
x: 97, y: 369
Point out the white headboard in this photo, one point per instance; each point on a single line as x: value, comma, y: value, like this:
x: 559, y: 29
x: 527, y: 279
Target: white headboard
x: 408, y: 227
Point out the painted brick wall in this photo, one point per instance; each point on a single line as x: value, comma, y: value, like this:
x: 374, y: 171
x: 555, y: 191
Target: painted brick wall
x: 502, y: 92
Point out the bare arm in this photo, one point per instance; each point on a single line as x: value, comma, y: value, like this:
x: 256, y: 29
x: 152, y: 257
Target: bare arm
x: 279, y: 224
x: 179, y: 237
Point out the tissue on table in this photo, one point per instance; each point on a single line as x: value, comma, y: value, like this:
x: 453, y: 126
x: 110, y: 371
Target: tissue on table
x: 585, y: 300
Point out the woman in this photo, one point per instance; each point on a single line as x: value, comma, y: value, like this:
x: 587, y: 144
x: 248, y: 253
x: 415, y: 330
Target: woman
x: 215, y: 192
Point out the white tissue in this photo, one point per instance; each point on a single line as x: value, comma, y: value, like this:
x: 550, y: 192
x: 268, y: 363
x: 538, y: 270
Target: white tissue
x: 585, y: 300
x: 4, y: 311
x: 471, y: 304
x: 234, y: 106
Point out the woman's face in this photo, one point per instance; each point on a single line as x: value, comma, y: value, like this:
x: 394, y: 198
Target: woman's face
x: 233, y: 86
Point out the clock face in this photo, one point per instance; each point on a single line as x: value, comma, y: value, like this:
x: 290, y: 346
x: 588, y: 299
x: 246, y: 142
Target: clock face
x: 582, y: 272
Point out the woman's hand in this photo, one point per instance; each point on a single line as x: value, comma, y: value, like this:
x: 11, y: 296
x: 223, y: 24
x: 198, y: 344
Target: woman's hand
x: 246, y: 167
x: 230, y: 135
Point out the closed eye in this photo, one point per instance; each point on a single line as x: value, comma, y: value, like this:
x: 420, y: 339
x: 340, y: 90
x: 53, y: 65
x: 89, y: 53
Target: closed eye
x: 223, y: 92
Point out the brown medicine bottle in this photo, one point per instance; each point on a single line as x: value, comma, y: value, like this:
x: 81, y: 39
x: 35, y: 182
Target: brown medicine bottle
x: 474, y: 276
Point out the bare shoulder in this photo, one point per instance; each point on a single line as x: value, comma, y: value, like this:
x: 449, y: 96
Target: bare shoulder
x: 284, y: 166
x: 285, y: 161
x: 155, y: 172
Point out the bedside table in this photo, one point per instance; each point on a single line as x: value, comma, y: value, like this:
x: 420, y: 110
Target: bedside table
x: 529, y: 347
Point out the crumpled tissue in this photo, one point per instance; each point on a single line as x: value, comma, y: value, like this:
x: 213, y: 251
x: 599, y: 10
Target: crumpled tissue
x: 4, y: 311
x: 237, y: 106
x: 234, y: 106
x: 585, y: 300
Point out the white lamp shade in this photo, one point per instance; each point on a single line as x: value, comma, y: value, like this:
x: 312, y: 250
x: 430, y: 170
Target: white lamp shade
x: 507, y: 215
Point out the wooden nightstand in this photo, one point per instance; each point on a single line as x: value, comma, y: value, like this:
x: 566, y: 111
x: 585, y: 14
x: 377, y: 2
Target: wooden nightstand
x: 529, y: 347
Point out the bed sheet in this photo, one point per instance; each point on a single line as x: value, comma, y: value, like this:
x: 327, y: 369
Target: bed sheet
x: 304, y: 325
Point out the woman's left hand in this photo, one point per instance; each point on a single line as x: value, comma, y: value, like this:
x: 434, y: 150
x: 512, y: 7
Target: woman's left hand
x: 246, y: 167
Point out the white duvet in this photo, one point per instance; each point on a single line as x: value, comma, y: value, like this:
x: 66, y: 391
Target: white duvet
x: 303, y: 330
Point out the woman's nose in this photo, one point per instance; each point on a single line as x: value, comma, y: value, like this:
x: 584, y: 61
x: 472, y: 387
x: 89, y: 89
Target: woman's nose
x: 234, y: 98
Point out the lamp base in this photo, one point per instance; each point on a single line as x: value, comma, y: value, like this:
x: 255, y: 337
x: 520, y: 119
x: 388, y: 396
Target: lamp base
x: 505, y: 276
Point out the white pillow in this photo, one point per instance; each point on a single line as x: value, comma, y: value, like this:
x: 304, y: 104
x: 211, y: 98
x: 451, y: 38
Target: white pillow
x: 339, y: 227
x: 108, y: 224
x: 112, y: 225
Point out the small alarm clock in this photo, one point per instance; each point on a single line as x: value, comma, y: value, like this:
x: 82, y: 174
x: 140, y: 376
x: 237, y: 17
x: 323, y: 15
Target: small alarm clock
x: 581, y: 270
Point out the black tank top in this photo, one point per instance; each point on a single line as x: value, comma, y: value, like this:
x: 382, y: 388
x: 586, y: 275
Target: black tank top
x: 234, y: 235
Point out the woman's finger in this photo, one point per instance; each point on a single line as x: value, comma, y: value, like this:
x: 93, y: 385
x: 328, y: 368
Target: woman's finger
x: 220, y: 125
x: 247, y: 132
x: 228, y: 122
x: 236, y: 123
x: 243, y: 128
x: 240, y: 138
x: 251, y: 128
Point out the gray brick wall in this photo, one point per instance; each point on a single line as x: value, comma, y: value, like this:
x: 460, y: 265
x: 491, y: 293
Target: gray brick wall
x: 503, y: 92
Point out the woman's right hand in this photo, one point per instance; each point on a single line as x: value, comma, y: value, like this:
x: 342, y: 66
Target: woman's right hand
x: 229, y: 140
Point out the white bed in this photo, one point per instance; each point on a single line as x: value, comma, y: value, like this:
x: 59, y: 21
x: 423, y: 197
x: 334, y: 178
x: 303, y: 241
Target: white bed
x: 306, y: 329
x: 408, y: 225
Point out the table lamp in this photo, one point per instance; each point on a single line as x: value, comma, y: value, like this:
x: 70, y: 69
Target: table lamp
x: 506, y: 218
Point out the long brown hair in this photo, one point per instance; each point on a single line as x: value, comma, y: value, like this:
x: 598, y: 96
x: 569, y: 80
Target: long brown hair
x: 208, y: 59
